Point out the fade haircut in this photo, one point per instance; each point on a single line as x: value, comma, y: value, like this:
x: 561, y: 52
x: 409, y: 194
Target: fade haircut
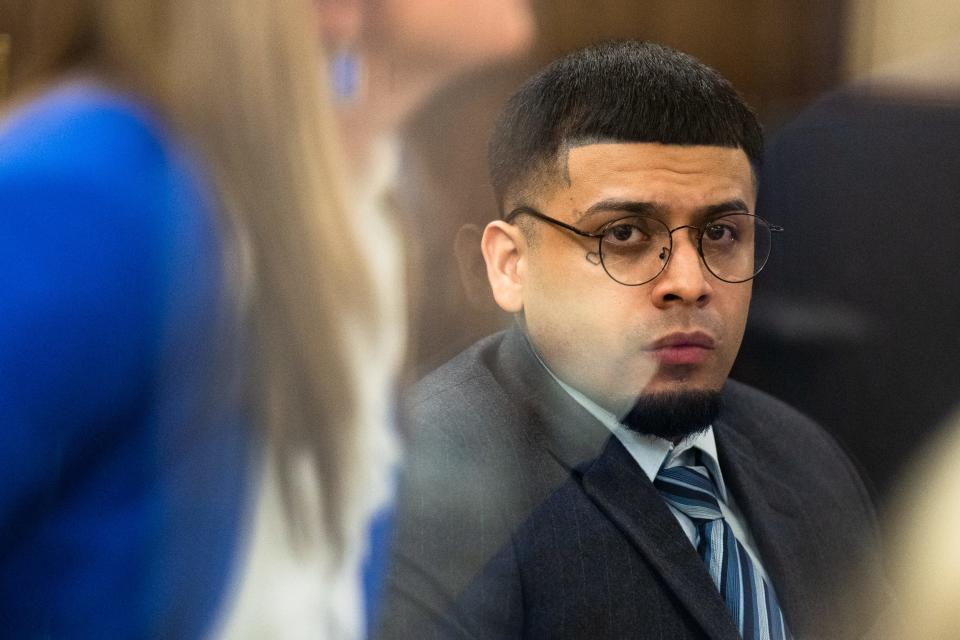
x: 615, y: 92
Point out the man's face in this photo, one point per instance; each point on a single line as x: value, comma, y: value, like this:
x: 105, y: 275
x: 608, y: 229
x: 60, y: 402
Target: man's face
x: 681, y: 331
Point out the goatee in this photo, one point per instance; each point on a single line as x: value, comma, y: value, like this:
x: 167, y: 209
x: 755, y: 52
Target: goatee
x: 674, y: 416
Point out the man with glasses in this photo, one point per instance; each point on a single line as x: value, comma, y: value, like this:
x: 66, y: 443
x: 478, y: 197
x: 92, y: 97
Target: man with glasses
x: 591, y: 472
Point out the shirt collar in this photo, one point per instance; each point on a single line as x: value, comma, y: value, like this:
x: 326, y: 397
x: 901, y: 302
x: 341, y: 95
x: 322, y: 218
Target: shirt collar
x: 706, y: 444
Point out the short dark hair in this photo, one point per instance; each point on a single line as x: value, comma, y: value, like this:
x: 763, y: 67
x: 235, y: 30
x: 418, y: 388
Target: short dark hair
x: 615, y: 92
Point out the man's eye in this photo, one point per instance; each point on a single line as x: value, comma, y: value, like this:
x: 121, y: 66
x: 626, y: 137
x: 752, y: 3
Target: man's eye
x: 626, y: 234
x: 720, y: 232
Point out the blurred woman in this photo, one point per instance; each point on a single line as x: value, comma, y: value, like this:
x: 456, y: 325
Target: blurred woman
x: 924, y: 558
x: 388, y: 58
x: 183, y: 306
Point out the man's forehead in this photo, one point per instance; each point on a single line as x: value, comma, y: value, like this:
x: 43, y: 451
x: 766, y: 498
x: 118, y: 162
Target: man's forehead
x: 671, y: 175
x: 601, y: 157
x: 611, y: 169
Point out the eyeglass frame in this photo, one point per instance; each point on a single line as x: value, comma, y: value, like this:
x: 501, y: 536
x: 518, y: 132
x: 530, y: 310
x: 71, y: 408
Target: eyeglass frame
x: 524, y: 209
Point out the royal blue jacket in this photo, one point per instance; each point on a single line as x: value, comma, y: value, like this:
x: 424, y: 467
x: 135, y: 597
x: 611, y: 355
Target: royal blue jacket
x: 123, y: 443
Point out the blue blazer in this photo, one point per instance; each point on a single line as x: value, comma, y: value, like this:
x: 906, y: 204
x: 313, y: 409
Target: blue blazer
x: 123, y: 443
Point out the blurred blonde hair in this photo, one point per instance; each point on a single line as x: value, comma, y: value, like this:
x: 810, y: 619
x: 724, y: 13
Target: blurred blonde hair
x: 241, y: 81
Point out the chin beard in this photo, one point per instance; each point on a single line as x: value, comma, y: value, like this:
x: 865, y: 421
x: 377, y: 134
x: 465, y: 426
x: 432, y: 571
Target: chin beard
x: 674, y: 416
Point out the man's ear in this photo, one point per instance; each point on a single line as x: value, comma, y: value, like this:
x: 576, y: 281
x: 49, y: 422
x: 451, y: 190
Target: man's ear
x: 505, y: 251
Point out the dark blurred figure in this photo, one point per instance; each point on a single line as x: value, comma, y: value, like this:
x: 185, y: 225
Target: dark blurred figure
x: 447, y: 195
x: 856, y: 323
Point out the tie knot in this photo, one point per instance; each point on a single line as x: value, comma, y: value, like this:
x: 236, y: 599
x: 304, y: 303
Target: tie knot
x: 691, y: 491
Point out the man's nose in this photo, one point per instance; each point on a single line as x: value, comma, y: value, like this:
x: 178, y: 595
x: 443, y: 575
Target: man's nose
x: 685, y: 278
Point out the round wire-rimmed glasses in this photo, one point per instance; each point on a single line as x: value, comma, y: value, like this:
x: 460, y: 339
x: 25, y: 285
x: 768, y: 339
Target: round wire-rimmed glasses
x: 635, y: 249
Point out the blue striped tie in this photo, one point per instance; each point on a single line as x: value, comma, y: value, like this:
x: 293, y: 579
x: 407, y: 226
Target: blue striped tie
x: 749, y: 598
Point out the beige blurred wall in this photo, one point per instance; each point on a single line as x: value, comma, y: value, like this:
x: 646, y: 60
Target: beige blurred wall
x: 887, y: 32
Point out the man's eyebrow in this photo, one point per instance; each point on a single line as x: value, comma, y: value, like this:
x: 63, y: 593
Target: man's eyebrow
x: 730, y: 206
x: 638, y: 207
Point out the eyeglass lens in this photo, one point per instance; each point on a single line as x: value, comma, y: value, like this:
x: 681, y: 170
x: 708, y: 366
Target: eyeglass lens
x: 734, y: 247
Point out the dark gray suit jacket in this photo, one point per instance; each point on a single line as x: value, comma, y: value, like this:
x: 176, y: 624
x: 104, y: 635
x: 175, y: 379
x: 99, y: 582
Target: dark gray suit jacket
x: 521, y: 516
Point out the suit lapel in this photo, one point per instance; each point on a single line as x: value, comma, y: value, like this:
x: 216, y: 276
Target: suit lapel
x: 773, y: 513
x: 625, y: 494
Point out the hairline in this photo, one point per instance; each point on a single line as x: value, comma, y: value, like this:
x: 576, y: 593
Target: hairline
x: 555, y: 169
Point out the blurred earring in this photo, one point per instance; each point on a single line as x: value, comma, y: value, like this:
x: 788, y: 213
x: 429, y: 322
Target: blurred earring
x: 346, y: 75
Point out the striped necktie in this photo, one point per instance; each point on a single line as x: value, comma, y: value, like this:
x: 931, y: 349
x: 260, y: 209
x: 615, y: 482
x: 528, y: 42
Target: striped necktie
x: 749, y: 598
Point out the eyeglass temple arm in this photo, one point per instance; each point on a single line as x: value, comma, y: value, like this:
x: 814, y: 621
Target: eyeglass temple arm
x: 536, y: 214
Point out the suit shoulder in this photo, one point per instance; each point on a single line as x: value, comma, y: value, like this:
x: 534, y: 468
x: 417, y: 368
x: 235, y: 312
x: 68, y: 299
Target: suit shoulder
x: 770, y: 422
x: 464, y: 407
x: 468, y: 374
x: 756, y: 400
x: 744, y: 398
x: 777, y: 428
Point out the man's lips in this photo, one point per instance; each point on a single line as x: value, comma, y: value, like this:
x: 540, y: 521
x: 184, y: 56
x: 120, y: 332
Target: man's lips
x: 683, y: 348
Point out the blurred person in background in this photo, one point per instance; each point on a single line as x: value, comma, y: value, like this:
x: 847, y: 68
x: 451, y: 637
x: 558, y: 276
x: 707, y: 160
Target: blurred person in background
x: 924, y: 558
x: 445, y: 180
x: 857, y: 322
x: 388, y: 57
x: 184, y: 326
